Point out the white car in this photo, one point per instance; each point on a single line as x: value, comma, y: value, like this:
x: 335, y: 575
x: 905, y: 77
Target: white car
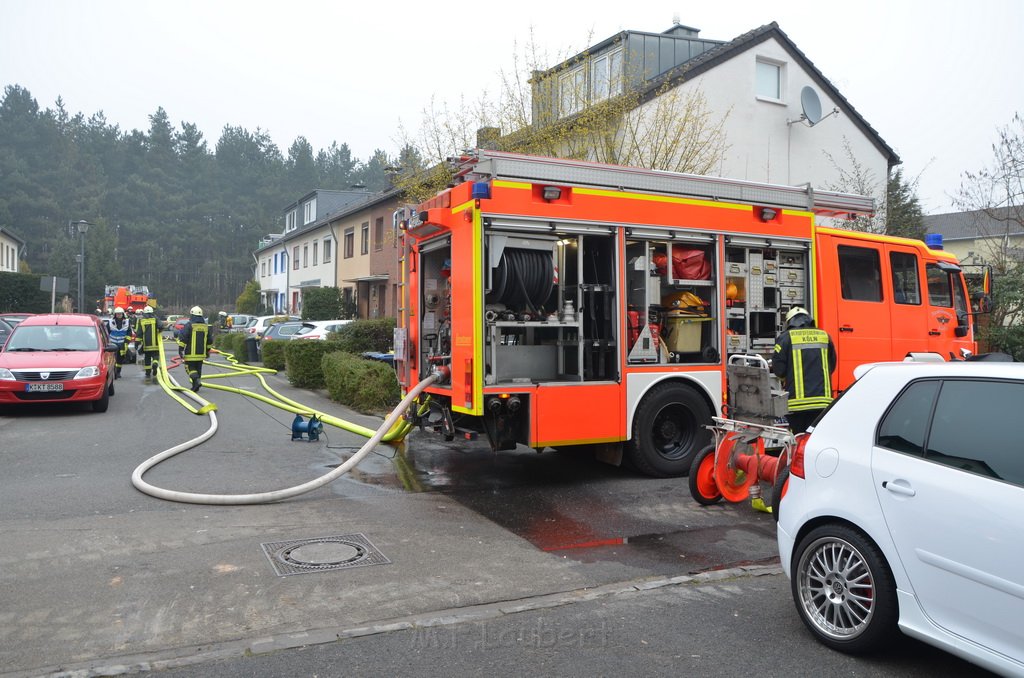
x: 903, y: 509
x: 319, y: 329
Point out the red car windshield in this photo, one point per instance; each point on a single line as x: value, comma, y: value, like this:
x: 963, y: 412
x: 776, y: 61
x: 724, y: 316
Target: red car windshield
x: 53, y: 338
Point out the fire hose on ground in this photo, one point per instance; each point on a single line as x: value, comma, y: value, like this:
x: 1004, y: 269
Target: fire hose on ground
x: 171, y: 387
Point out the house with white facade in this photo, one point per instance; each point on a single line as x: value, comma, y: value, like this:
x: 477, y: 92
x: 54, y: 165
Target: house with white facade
x: 348, y: 247
x: 303, y: 254
x: 11, y: 249
x: 784, y: 122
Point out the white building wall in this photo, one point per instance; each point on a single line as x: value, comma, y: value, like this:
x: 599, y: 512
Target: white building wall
x: 762, y: 147
x: 8, y: 254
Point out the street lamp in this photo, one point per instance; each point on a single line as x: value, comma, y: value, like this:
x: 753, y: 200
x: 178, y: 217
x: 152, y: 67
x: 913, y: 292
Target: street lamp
x: 82, y: 227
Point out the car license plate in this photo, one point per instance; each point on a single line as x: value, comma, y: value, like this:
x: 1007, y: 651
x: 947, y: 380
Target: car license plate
x: 44, y: 387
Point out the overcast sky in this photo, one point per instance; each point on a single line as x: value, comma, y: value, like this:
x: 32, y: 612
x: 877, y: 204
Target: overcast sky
x: 935, y: 78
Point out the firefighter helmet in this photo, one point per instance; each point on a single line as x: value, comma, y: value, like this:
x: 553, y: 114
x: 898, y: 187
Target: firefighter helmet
x: 196, y: 310
x: 118, y: 310
x: 798, y: 317
x: 223, y: 313
x: 148, y: 310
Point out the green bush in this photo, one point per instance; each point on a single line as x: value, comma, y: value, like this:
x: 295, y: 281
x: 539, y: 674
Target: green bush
x: 364, y: 385
x: 273, y: 354
x: 366, y: 335
x: 303, y: 359
x: 323, y: 303
x: 233, y: 343
x: 20, y: 293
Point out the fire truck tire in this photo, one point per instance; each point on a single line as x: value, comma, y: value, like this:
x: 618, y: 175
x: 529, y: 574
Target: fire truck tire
x: 668, y: 430
x: 703, y: 487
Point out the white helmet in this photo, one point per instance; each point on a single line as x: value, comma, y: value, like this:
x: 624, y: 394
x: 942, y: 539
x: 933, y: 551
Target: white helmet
x: 118, y: 310
x: 148, y: 310
x: 798, y: 317
x: 223, y: 313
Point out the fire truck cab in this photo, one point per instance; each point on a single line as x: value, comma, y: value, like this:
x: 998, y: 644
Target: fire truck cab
x: 566, y: 303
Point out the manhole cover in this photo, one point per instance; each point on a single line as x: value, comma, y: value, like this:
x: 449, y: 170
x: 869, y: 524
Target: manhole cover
x: 299, y: 556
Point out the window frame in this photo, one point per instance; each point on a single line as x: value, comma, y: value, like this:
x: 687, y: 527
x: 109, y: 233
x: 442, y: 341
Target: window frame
x: 899, y: 282
x: 846, y: 275
x: 295, y: 258
x: 364, y: 238
x: 350, y: 242
x: 780, y: 74
x: 327, y: 250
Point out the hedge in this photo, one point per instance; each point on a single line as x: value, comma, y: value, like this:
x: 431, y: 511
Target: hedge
x: 20, y: 293
x: 366, y: 335
x: 303, y: 359
x: 233, y: 343
x: 273, y: 354
x: 364, y: 385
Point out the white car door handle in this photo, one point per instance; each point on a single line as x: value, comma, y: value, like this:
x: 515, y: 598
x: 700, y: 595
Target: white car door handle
x: 899, y: 487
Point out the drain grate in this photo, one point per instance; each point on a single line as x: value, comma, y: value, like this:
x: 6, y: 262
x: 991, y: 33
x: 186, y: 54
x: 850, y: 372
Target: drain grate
x: 320, y: 554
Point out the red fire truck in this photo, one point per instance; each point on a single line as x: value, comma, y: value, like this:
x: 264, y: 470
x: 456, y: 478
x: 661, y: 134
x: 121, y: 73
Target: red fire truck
x: 569, y: 303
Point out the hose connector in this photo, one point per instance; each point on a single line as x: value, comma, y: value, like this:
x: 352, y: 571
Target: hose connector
x: 442, y: 373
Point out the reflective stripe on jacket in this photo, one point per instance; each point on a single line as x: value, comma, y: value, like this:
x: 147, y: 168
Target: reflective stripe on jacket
x: 196, y: 337
x: 805, y: 358
x: 118, y: 332
x: 149, y: 331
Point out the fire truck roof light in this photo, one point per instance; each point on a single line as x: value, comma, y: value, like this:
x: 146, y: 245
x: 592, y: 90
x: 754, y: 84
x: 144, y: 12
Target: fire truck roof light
x: 481, y: 190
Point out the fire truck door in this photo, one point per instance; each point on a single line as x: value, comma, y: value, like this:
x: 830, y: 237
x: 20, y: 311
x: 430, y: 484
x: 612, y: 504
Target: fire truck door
x: 909, y: 308
x: 863, y: 327
x: 947, y: 308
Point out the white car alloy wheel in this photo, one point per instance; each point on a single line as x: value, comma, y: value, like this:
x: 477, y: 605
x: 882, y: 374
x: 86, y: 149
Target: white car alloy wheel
x: 843, y: 589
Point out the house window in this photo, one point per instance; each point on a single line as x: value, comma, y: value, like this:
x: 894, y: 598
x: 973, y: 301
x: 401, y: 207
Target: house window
x: 315, y: 243
x: 364, y: 238
x: 350, y: 242
x: 305, y: 256
x: 768, y: 83
x: 606, y: 75
x: 295, y: 258
x: 570, y: 91
x: 289, y: 221
x: 327, y: 250
x: 263, y: 268
x: 378, y: 234
x: 309, y: 211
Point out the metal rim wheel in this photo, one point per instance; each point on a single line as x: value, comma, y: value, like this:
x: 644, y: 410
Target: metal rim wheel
x: 668, y: 430
x: 844, y: 589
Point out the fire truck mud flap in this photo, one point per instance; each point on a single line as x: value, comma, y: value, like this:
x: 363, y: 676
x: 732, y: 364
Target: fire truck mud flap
x: 669, y: 428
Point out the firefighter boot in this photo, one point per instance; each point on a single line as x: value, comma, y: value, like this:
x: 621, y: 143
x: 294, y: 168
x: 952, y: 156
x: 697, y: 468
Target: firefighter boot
x: 195, y: 382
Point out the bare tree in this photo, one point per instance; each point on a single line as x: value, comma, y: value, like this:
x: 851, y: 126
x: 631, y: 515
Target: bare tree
x: 568, y: 112
x: 994, y: 196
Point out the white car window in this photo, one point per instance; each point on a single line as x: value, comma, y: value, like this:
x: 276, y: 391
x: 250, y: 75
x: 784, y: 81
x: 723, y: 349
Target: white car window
x: 960, y: 438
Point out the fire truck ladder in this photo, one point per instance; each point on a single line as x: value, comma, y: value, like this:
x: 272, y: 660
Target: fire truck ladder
x: 485, y: 164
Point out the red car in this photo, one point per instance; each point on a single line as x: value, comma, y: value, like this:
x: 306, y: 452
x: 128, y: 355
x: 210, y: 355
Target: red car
x: 58, y: 357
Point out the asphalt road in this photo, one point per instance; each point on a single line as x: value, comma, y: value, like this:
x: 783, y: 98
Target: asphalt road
x: 97, y: 577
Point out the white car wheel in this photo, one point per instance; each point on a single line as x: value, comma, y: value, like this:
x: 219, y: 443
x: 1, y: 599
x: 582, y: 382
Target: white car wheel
x: 844, y: 590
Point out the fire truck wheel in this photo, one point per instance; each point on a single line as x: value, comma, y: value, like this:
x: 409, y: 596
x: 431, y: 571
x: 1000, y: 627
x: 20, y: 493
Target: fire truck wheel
x: 703, y: 487
x: 668, y: 430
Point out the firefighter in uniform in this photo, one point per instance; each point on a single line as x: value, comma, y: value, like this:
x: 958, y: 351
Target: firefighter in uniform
x: 195, y: 337
x: 804, y: 358
x: 149, y: 336
x: 119, y: 329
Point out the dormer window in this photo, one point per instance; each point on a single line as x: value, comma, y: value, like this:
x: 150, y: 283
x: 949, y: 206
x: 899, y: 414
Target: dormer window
x: 606, y: 75
x: 571, y: 91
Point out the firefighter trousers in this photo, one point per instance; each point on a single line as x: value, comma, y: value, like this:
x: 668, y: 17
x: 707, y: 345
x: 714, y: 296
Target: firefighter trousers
x: 195, y: 372
x: 151, y: 359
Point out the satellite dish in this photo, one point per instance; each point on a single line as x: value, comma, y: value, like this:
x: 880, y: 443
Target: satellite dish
x: 811, y: 105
